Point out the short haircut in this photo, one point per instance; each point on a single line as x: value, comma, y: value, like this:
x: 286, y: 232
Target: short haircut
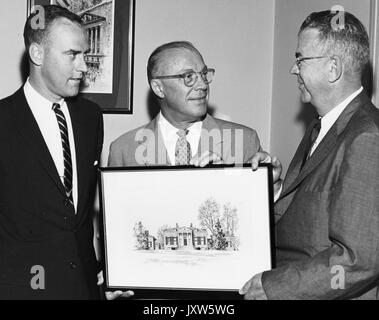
x: 346, y: 38
x: 50, y: 13
x: 153, y: 62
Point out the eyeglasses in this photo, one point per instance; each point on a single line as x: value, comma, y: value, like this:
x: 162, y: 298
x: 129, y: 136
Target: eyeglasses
x: 300, y: 60
x: 190, y: 77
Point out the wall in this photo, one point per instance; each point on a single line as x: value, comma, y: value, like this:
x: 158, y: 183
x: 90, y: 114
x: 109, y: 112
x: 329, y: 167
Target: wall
x: 235, y: 37
x: 286, y: 130
x: 12, y: 19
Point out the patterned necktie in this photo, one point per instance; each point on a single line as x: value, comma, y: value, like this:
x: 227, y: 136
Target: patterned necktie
x: 67, y: 174
x: 312, y: 139
x: 182, y: 149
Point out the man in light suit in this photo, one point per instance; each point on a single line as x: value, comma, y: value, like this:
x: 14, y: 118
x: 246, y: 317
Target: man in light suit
x: 183, y: 133
x: 51, y: 145
x: 327, y: 214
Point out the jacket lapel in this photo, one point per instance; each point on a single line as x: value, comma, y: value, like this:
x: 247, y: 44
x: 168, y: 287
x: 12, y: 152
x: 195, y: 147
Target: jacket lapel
x: 28, y: 128
x: 295, y: 165
x: 155, y: 142
x: 211, y: 137
x: 295, y: 176
x: 325, y: 148
x: 78, y: 127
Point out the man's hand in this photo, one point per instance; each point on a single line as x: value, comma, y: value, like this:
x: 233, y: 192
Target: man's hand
x: 253, y: 289
x: 206, y: 158
x: 264, y: 157
x: 111, y: 295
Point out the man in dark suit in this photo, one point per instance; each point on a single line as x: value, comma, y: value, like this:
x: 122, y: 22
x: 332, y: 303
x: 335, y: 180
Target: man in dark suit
x: 183, y: 132
x: 51, y: 144
x: 327, y: 214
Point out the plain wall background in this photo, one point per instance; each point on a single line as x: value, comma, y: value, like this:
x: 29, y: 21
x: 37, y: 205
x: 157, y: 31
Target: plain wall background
x: 12, y: 20
x: 251, y: 43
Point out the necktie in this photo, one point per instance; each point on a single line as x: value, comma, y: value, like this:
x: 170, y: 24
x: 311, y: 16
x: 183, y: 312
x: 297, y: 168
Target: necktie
x: 316, y: 126
x: 182, y: 149
x: 67, y: 175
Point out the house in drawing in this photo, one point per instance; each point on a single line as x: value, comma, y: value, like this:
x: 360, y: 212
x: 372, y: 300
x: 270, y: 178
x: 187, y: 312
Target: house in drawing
x: 185, y: 238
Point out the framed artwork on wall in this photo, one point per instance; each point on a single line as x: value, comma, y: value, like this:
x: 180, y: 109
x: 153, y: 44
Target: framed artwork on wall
x: 110, y: 30
x: 186, y: 229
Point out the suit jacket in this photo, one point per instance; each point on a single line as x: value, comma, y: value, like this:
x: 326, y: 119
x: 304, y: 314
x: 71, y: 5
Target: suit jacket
x: 327, y: 230
x: 38, y: 225
x: 144, y: 145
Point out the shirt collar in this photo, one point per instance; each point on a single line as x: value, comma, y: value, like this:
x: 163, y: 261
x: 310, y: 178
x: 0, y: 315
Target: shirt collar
x: 169, y: 131
x: 35, y: 99
x: 331, y: 117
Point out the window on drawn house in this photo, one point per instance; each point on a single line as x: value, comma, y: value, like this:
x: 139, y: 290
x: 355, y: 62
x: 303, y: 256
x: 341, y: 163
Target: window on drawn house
x: 171, y: 241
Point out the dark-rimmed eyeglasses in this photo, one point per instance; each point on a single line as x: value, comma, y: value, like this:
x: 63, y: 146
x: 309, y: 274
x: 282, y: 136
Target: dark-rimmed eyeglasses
x: 299, y: 60
x: 190, y: 77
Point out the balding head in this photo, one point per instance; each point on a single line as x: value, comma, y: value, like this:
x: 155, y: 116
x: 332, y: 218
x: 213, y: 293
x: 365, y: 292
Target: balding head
x: 161, y: 56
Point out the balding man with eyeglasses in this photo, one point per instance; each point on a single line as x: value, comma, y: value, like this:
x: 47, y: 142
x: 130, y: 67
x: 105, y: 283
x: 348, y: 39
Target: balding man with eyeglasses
x: 183, y: 133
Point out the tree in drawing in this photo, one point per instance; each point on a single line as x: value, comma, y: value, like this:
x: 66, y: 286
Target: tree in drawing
x: 209, y: 214
x: 218, y: 240
x: 229, y: 219
x: 160, y: 234
x: 142, y: 240
x: 221, y: 228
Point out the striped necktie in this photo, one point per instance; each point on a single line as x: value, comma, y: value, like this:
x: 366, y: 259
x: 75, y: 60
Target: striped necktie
x: 67, y: 174
x: 182, y: 149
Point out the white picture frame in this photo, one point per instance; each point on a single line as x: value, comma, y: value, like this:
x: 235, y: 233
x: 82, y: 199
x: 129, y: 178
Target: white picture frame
x: 186, y: 255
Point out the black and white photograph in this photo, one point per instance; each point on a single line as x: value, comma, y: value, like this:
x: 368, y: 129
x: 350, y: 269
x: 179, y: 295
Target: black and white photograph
x: 189, y: 149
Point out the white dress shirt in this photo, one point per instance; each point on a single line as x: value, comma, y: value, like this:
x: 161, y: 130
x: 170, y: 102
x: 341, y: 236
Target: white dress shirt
x: 47, y: 122
x: 327, y: 121
x: 170, y: 137
x: 331, y: 117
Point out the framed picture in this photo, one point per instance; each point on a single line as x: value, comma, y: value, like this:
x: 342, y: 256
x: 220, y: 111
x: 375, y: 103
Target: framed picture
x: 186, y: 229
x: 110, y: 30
